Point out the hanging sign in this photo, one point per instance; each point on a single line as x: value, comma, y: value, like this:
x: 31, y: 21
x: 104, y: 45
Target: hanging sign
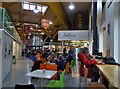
x: 73, y: 35
x: 45, y: 23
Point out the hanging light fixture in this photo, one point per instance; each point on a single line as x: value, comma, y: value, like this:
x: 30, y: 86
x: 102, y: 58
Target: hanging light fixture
x: 50, y: 22
x: 36, y: 10
x: 71, y: 6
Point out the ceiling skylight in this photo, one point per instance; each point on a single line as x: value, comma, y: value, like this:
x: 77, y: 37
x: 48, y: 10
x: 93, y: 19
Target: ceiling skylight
x: 32, y: 6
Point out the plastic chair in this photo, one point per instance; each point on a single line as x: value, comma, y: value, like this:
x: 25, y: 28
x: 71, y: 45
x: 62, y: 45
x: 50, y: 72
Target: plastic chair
x: 52, y: 67
x: 29, y: 86
x: 67, y: 68
x: 57, y: 83
x: 72, y: 64
x: 43, y: 66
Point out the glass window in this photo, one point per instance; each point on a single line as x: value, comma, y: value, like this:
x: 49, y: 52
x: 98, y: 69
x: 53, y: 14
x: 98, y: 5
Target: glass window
x: 26, y: 6
x: 44, y: 9
x: 39, y: 8
x: 32, y: 7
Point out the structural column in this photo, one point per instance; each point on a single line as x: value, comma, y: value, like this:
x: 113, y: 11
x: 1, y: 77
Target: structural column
x: 94, y: 27
x: 0, y: 60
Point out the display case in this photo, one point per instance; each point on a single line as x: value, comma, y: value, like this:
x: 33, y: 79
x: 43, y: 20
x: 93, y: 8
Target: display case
x: 6, y: 44
x: 5, y: 21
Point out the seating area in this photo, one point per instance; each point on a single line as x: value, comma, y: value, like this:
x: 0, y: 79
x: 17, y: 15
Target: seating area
x: 66, y: 78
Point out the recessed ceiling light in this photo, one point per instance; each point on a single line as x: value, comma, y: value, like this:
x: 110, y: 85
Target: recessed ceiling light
x: 42, y: 33
x: 31, y: 28
x: 36, y: 10
x: 11, y: 26
x: 71, y: 6
x: 50, y: 22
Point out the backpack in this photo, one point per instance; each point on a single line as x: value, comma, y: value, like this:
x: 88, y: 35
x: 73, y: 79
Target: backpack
x: 109, y: 60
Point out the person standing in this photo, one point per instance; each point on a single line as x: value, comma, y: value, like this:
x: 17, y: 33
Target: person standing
x: 64, y: 50
x: 82, y: 57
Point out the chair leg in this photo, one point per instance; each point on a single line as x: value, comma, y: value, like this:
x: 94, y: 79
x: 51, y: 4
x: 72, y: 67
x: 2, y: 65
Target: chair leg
x: 80, y: 80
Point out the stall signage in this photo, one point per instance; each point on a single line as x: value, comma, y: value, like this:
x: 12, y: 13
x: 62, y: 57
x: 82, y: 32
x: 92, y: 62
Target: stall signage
x: 73, y: 35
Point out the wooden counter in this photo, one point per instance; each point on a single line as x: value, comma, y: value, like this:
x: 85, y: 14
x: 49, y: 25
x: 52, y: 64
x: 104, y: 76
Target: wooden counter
x: 111, y: 73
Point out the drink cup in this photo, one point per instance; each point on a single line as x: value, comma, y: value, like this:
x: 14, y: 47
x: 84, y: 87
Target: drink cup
x: 43, y: 70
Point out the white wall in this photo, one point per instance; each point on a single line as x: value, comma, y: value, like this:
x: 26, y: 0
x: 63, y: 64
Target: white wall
x: 17, y: 50
x: 117, y: 32
x: 7, y: 57
x: 0, y: 60
x: 90, y: 31
x: 101, y: 23
x: 100, y: 39
x: 111, y: 15
x: 110, y: 20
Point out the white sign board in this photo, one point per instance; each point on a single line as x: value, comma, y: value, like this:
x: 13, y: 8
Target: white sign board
x: 73, y: 35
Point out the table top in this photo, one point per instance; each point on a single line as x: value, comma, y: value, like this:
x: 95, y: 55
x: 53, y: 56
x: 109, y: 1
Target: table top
x: 49, y: 63
x: 41, y: 74
x: 111, y: 73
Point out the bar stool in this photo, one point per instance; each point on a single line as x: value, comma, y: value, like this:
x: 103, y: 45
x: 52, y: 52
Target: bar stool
x: 95, y: 85
x: 92, y: 85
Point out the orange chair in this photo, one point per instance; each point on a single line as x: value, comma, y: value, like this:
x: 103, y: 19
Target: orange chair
x: 52, y: 67
x: 42, y: 66
x: 60, y: 71
x: 67, y: 68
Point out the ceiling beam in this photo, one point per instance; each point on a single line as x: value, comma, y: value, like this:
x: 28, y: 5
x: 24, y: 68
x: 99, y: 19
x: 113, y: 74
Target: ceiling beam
x: 60, y: 13
x: 46, y: 38
x: 9, y: 4
x: 25, y: 14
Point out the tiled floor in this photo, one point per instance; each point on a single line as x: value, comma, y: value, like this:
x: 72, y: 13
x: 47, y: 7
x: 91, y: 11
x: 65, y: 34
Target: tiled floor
x: 22, y: 67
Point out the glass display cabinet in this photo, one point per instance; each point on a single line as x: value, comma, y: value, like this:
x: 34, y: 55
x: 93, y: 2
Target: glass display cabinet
x: 5, y: 21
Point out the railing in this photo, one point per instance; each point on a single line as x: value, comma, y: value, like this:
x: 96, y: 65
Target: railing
x: 5, y: 21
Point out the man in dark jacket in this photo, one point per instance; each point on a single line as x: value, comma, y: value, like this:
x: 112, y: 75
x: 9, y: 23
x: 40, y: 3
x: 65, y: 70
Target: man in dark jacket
x: 60, y: 63
x: 69, y: 58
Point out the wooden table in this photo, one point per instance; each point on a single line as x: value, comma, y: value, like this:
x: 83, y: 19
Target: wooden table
x: 111, y: 73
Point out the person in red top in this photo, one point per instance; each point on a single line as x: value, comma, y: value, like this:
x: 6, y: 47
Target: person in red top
x: 86, y: 59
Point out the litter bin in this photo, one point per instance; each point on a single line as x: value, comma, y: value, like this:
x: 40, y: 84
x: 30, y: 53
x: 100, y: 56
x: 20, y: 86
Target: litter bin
x: 14, y: 59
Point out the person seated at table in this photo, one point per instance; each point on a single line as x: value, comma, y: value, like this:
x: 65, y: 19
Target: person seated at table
x: 69, y: 58
x: 83, y: 58
x: 32, y: 56
x: 38, y: 55
x: 60, y: 63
